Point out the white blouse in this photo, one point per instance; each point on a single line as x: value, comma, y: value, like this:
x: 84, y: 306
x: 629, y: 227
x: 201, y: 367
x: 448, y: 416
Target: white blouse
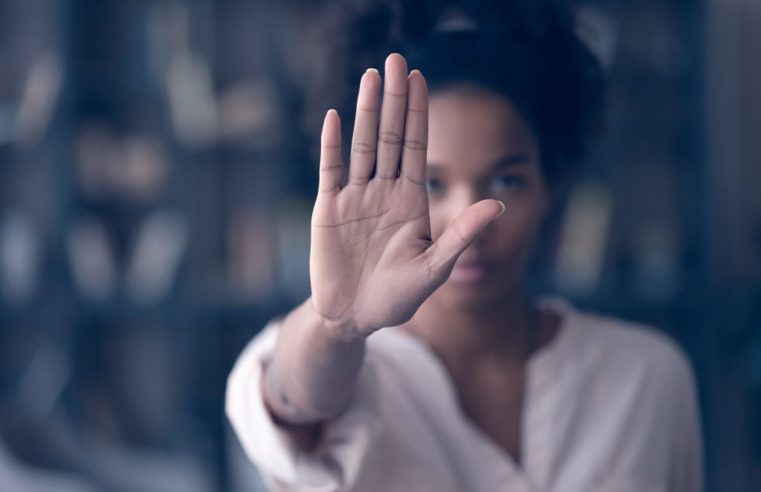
x: 608, y: 406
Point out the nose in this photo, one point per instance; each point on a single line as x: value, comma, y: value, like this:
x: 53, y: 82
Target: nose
x: 463, y: 197
x: 458, y: 198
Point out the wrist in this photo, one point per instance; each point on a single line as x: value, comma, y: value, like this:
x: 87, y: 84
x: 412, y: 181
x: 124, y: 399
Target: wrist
x: 343, y: 332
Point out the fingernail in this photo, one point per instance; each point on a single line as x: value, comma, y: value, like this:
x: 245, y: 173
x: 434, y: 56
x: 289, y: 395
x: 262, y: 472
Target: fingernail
x: 503, y: 208
x: 372, y: 70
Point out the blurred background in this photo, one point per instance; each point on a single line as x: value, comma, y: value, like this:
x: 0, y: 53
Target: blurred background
x: 156, y: 183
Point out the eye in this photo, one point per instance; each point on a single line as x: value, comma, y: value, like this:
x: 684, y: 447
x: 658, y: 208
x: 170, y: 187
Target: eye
x: 434, y: 185
x: 506, y: 182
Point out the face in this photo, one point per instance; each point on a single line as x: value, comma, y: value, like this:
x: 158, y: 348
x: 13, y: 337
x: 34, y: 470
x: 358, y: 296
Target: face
x: 480, y: 147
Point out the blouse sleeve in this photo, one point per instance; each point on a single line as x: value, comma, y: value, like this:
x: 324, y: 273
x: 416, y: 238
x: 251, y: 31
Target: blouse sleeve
x: 687, y: 452
x: 335, y: 464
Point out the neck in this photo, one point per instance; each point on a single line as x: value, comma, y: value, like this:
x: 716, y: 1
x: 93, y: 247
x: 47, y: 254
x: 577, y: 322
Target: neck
x: 505, y: 331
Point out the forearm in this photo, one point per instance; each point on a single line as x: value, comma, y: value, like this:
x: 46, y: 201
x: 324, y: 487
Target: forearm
x: 313, y: 372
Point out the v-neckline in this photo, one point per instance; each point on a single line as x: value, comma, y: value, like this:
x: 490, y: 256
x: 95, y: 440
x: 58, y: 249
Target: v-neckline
x: 476, y: 436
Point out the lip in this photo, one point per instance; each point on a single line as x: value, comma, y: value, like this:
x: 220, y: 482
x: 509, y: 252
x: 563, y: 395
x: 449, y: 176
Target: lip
x: 469, y: 272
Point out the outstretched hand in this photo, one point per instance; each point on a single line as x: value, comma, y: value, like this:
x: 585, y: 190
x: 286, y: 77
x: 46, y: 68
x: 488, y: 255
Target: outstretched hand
x: 373, y: 261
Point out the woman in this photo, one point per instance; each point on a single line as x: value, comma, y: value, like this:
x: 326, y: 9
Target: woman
x: 419, y: 363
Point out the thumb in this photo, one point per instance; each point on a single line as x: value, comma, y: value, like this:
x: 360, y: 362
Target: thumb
x: 460, y: 233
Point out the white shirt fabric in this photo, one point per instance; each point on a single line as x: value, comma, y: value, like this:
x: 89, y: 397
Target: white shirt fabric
x: 609, y: 406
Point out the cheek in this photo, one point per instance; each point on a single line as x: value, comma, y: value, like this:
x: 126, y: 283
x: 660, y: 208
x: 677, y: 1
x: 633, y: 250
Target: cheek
x: 513, y: 230
x: 511, y: 233
x: 439, y: 217
x: 516, y: 229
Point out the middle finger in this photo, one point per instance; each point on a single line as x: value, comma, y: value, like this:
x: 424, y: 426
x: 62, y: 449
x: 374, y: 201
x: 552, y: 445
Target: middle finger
x: 391, y: 132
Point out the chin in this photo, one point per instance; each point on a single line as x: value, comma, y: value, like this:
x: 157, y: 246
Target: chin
x: 475, y: 294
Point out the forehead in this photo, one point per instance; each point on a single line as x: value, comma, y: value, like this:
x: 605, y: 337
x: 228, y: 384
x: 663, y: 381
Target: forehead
x: 474, y: 127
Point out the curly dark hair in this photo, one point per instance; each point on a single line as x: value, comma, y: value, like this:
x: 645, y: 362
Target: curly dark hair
x: 525, y: 50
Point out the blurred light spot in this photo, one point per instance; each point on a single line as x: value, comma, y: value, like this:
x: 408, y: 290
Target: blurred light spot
x: 160, y: 246
x: 91, y: 258
x: 19, y: 257
x: 584, y: 238
x: 41, y: 91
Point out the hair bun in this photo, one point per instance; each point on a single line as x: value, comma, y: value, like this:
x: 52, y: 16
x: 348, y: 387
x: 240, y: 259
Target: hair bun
x: 525, y: 50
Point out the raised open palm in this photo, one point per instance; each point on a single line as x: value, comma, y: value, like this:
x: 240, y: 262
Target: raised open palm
x: 373, y: 261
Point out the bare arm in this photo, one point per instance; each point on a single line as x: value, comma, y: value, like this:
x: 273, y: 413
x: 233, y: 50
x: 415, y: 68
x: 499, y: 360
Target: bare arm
x: 314, y: 371
x: 372, y: 259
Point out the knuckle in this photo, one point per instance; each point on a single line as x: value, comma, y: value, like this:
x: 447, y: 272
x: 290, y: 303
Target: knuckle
x: 458, y: 234
x: 390, y: 138
x: 394, y: 94
x: 412, y: 180
x: 330, y: 169
x: 412, y: 144
x: 362, y: 148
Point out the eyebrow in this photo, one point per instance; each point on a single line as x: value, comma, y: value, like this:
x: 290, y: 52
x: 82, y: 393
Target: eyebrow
x: 508, y: 161
x: 512, y: 160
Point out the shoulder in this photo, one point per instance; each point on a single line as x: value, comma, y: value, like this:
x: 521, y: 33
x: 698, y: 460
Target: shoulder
x: 618, y: 348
